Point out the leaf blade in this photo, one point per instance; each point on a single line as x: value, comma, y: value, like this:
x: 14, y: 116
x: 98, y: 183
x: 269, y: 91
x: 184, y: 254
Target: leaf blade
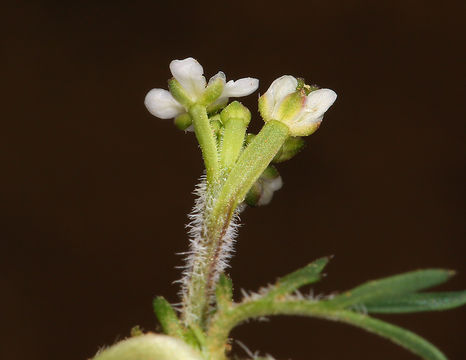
x: 405, y: 338
x: 308, y: 274
x: 432, y: 301
x: 391, y: 286
x: 167, y: 317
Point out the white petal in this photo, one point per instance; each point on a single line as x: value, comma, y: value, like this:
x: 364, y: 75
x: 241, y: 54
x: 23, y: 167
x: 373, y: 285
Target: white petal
x: 318, y: 102
x: 278, y: 90
x: 305, y: 125
x: 241, y: 87
x: 220, y: 75
x: 268, y: 188
x: 161, y: 103
x: 189, y: 74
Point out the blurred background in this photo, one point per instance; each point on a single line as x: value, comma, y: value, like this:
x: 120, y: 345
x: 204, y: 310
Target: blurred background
x: 95, y: 191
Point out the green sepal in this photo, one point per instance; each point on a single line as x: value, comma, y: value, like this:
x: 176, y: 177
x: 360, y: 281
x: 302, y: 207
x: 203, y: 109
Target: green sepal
x: 391, y: 286
x: 409, y: 303
x: 212, y: 92
x: 217, y: 106
x: 167, y: 317
x: 292, y: 146
x: 224, y: 292
x: 291, y: 106
x: 183, y: 121
x: 309, y: 274
x: 179, y: 93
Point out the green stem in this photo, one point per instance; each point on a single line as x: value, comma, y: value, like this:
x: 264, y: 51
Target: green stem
x: 224, y: 322
x: 206, y: 139
x: 250, y: 165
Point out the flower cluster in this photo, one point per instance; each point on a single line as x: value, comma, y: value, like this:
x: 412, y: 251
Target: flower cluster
x: 288, y: 100
x: 189, y: 74
x: 196, y: 104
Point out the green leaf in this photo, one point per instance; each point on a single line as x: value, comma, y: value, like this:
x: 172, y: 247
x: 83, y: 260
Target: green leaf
x: 309, y: 274
x: 434, y: 301
x: 224, y: 291
x: 391, y: 286
x: 167, y: 317
x: 398, y: 335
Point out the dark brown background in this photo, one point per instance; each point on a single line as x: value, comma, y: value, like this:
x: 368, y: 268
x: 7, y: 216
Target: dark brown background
x: 95, y: 190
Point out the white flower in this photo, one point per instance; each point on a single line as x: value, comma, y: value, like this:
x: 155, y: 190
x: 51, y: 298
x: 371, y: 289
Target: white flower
x: 302, y: 113
x: 189, y: 74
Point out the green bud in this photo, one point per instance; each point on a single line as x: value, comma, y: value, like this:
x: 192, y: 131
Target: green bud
x: 179, y: 93
x: 236, y: 111
x: 213, y: 91
x: 183, y: 121
x: 291, y: 147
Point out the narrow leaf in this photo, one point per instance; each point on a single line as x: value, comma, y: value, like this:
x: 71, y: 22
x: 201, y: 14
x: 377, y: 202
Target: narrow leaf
x: 434, y: 301
x: 167, y: 317
x: 398, y: 335
x: 224, y: 291
x: 389, y: 287
x: 309, y: 274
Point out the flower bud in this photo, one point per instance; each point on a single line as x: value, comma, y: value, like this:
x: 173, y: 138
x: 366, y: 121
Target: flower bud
x: 237, y: 112
x: 262, y: 191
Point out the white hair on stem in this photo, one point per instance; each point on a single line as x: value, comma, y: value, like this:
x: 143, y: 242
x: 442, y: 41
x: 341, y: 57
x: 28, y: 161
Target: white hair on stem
x: 197, y: 255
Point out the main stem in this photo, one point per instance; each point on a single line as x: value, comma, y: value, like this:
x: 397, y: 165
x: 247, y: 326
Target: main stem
x: 224, y: 200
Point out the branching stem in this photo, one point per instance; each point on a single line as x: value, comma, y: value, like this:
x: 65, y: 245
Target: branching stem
x: 224, y: 195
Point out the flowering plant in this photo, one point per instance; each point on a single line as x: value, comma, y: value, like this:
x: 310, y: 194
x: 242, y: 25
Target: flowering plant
x: 240, y: 173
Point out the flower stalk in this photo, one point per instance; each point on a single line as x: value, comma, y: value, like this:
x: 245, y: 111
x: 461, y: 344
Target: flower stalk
x: 207, y: 142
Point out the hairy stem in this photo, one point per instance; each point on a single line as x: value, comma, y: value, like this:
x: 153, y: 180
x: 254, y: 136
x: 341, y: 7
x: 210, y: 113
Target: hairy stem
x: 215, y: 237
x: 223, y: 322
x: 250, y: 165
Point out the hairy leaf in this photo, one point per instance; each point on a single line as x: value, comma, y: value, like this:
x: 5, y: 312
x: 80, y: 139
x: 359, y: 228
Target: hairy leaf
x: 309, y: 274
